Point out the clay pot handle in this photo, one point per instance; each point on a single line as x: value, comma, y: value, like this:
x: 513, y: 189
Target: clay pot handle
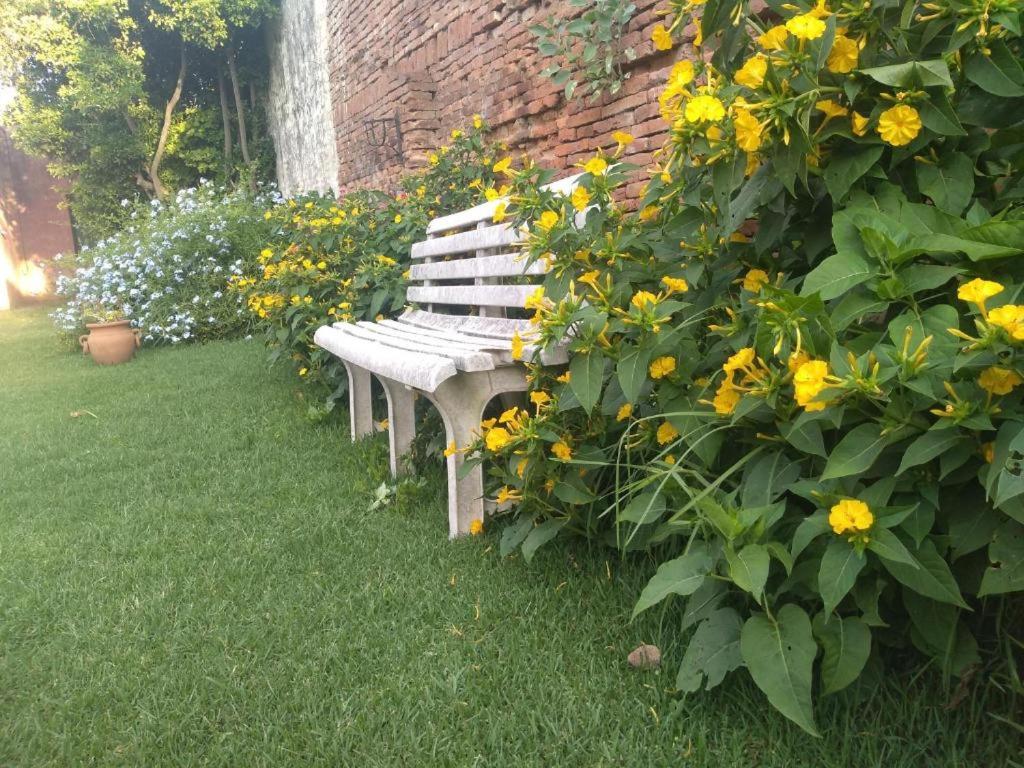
x: 83, y: 340
x: 138, y: 337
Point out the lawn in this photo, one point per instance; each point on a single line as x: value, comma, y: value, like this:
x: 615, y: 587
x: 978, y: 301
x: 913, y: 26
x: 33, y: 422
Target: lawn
x: 190, y: 574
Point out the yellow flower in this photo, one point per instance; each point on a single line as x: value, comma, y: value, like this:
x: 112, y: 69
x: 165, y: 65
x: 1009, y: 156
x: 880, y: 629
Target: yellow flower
x: 774, y: 39
x: 843, y: 56
x: 398, y: 218
x: 727, y: 397
x: 625, y: 411
x: 675, y: 284
x: 499, y: 213
x: 536, y: 300
x: 796, y: 360
x: 595, y: 166
x: 521, y: 466
x: 831, y: 108
x: 859, y: 123
x: 451, y: 450
x: 704, y: 108
x: 478, y: 122
x: 506, y: 495
x: 510, y: 417
x: 666, y: 433
x: 539, y: 398
x: 752, y: 73
x: 642, y: 298
x: 456, y: 134
x: 649, y: 212
x: 661, y: 38
x: 580, y: 198
x: 806, y: 26
x: 742, y: 359
x: 562, y: 450
x: 564, y: 378
x: 999, y: 381
x: 808, y: 381
x: 899, y: 125
x: 547, y: 220
x: 266, y: 253
x: 681, y: 75
x: 1009, y: 317
x: 754, y: 280
x: 476, y: 527
x: 434, y: 159
x: 303, y: 371
x: 622, y: 138
x: 850, y: 515
x: 977, y: 291
x: 497, y: 438
x: 748, y: 130
x: 988, y: 451
x: 267, y: 215
x: 503, y: 165
x: 517, y: 346
x: 321, y: 265
x: 662, y: 367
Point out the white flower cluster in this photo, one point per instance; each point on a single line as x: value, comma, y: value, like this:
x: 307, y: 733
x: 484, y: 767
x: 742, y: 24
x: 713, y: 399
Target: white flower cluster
x: 168, y: 270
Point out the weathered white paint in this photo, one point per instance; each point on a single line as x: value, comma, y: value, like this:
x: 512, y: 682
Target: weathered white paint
x: 299, y: 104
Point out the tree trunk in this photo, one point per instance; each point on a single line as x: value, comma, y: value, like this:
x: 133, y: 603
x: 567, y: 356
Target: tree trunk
x: 165, y: 129
x: 252, y: 106
x: 243, y: 141
x: 226, y: 118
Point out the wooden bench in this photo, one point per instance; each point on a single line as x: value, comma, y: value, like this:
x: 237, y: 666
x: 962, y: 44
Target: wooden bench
x: 456, y: 350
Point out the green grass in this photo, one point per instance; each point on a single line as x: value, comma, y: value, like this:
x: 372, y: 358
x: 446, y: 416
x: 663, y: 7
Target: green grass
x: 190, y: 575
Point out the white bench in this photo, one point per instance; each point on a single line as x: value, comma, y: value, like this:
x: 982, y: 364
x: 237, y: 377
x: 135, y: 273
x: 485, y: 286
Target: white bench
x: 459, y: 361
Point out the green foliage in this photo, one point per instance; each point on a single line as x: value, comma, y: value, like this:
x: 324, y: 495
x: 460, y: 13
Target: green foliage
x: 793, y: 370
x: 93, y: 79
x: 588, y: 47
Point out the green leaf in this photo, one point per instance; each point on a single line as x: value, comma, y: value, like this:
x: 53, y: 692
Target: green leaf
x: 703, y: 602
x: 515, y: 534
x: 779, y: 652
x: 912, y: 73
x: 856, y: 452
x: 949, y: 183
x: 999, y: 74
x: 681, y: 576
x: 540, y: 536
x: 887, y: 546
x: 713, y: 652
x: 748, y: 568
x: 931, y: 577
x: 805, y: 436
x: 586, y: 377
x: 937, y: 115
x: 836, y: 275
x: 846, y: 168
x: 853, y: 306
x: 927, y: 446
x: 846, y: 644
x: 1006, y: 553
x: 810, y: 528
x: 643, y: 509
x: 840, y: 566
x: 632, y: 372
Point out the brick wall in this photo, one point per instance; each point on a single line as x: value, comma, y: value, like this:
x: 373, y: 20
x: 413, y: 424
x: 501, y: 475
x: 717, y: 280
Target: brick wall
x: 436, y: 63
x: 33, y: 226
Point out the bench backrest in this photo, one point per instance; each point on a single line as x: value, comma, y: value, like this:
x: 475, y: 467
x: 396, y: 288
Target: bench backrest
x: 468, y: 261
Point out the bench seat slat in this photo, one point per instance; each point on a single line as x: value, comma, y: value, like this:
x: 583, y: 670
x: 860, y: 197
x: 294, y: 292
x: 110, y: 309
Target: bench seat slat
x: 481, y: 342
x: 497, y: 236
x: 425, y: 372
x: 464, y: 360
x: 409, y: 333
x: 472, y: 295
x: 471, y: 325
x: 502, y: 265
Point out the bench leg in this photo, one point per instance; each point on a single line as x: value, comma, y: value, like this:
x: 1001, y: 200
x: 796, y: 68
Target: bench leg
x: 360, y: 401
x: 461, y: 401
x: 401, y: 424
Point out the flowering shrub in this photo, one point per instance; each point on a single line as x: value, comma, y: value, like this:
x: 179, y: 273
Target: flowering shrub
x: 795, y: 371
x: 347, y: 259
x: 167, y: 271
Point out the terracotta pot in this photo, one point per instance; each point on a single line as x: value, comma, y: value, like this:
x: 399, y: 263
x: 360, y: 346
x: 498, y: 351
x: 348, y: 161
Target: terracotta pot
x: 110, y: 343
